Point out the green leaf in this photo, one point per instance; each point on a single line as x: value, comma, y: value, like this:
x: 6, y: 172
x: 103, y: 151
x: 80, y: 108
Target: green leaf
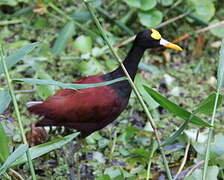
x: 62, y: 39
x: 207, y: 105
x: 173, y: 137
x: 217, y: 146
x: 103, y: 177
x: 90, y: 67
x: 139, y: 81
x: 134, y: 3
x: 113, y: 172
x: 142, y: 4
x: 150, y: 18
x: 5, y: 100
x: 18, y: 55
x: 212, y: 174
x: 83, y: 44
x: 8, y: 2
x: 44, y: 91
x: 167, y: 2
x: 67, y: 85
x: 147, y: 4
x: 204, y: 9
x: 218, y: 31
x: 45, y: 148
x: 4, y: 144
x: 221, y: 66
x: 21, y: 150
x: 175, y: 109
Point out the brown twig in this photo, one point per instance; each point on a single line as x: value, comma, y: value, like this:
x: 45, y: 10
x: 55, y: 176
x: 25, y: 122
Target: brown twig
x: 184, y: 160
x: 221, y: 23
x: 187, y: 35
x: 179, y: 39
x: 15, y: 174
x: 157, y: 27
x: 172, y: 20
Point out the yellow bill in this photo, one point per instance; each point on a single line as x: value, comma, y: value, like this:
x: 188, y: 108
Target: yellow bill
x: 168, y: 44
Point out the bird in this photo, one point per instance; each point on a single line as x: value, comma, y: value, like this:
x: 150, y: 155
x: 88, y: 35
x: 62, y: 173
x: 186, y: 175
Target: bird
x: 89, y: 110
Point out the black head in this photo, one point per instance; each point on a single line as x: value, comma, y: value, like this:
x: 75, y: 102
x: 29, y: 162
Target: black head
x: 151, y: 38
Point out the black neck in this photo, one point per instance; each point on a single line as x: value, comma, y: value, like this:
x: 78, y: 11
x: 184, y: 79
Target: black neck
x: 131, y: 62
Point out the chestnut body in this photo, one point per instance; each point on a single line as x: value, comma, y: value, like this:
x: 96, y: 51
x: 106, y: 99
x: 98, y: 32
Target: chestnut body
x: 85, y: 110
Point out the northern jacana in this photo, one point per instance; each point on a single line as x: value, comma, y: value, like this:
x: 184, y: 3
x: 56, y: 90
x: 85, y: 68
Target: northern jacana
x: 89, y: 110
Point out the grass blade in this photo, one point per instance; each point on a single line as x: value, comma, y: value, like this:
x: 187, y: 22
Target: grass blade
x: 45, y: 148
x: 221, y: 67
x: 5, y: 100
x: 172, y: 138
x: 219, y: 86
x: 21, y: 150
x: 18, y: 55
x: 175, y: 109
x: 12, y: 94
x: 67, y: 85
x: 4, y: 150
x: 62, y: 40
x: 207, y: 105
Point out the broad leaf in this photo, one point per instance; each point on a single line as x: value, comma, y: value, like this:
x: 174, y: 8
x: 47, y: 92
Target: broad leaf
x: 67, y: 85
x: 5, y: 100
x: 90, y: 67
x: 207, y: 105
x: 18, y: 55
x: 83, y: 44
x: 175, y: 109
x: 45, y: 148
x: 212, y: 174
x: 142, y: 4
x: 218, y: 31
x: 21, y: 150
x: 62, y: 40
x: 204, y: 9
x: 167, y: 2
x: 150, y: 18
x: 44, y: 91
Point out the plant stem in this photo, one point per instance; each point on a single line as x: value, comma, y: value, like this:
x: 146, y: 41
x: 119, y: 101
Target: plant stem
x: 8, y: 22
x: 154, y: 147
x: 132, y: 85
x: 184, y: 160
x: 220, y: 75
x: 210, y: 137
x: 11, y: 91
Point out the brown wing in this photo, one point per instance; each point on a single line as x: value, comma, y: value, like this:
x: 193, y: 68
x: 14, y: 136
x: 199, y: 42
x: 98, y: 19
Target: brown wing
x: 86, y: 110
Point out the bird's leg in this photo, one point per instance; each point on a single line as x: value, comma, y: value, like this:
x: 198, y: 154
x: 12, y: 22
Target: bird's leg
x: 71, y: 160
x: 73, y: 150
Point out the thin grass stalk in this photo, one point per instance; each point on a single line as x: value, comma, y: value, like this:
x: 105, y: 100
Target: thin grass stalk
x: 154, y: 147
x: 219, y: 85
x: 184, y: 160
x: 210, y: 136
x: 11, y: 91
x: 101, y: 30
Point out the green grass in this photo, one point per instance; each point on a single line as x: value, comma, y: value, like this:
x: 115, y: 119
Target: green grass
x: 125, y: 148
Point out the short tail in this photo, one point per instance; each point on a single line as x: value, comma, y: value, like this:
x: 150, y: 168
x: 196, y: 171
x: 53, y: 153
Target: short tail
x: 37, y: 107
x: 32, y: 103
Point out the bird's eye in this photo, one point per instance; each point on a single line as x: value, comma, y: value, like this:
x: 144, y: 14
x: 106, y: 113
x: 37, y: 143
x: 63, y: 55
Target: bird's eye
x: 155, y: 34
